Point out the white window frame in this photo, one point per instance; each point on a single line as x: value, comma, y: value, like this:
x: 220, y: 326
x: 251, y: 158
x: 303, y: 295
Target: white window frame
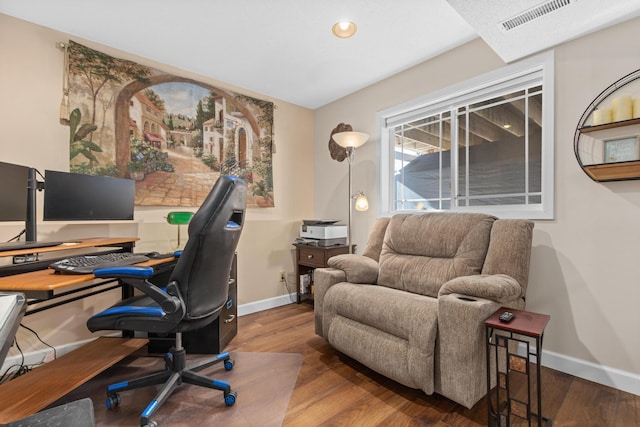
x: 540, y: 67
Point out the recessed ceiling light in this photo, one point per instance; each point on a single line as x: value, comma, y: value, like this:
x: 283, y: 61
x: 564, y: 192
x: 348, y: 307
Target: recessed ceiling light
x: 344, y: 29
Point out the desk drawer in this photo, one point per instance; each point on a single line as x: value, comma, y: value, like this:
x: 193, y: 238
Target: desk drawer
x: 313, y: 257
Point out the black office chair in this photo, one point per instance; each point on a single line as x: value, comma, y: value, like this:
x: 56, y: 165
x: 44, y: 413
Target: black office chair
x: 196, y: 293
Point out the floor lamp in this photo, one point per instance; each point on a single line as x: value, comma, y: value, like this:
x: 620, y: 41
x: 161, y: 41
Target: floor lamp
x: 350, y: 141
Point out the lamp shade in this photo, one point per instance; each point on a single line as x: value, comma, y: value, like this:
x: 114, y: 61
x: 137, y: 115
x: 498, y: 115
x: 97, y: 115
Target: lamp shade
x: 350, y: 139
x: 179, y: 218
x: 362, y: 204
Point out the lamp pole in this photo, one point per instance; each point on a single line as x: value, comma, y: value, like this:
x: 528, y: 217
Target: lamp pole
x: 350, y: 154
x: 350, y: 140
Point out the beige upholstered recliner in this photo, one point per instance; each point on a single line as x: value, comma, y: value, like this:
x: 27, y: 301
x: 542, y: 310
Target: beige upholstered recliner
x: 413, y: 306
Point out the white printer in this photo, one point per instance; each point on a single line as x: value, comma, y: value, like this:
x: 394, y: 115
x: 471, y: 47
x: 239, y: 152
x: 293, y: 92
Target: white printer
x: 323, y: 232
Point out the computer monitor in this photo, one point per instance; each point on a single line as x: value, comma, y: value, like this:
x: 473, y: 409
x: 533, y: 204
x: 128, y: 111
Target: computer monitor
x: 13, y: 192
x: 78, y: 197
x: 18, y: 196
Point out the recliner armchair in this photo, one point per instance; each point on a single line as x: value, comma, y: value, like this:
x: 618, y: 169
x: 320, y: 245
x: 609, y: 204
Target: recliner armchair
x: 194, y: 296
x: 413, y: 306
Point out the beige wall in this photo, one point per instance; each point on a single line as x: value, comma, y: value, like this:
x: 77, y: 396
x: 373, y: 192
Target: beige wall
x: 585, y: 270
x: 30, y: 92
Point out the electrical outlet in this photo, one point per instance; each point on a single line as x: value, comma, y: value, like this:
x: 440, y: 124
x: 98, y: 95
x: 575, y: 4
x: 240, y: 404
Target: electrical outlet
x: 283, y: 276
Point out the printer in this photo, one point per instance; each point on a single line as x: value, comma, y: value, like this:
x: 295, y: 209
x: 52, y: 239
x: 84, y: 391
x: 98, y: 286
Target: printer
x: 323, y: 232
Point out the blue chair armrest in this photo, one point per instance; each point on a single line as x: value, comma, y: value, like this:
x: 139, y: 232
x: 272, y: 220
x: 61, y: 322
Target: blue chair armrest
x: 126, y: 272
x: 137, y: 277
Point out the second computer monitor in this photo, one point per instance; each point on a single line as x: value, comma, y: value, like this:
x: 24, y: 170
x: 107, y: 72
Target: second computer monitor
x: 79, y: 197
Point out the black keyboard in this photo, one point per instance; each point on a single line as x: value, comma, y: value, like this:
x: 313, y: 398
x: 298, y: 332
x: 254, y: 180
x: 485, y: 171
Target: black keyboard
x: 85, y: 264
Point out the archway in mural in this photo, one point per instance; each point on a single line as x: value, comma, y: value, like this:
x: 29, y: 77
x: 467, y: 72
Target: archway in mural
x: 172, y: 134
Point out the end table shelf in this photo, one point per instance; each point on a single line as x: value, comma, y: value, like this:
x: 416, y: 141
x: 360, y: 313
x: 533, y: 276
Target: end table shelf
x: 502, y: 343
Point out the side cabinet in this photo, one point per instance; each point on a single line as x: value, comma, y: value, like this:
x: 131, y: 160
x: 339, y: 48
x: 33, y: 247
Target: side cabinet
x: 214, y: 337
x: 308, y: 258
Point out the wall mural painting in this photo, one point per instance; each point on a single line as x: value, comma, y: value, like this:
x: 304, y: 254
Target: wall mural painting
x: 173, y: 135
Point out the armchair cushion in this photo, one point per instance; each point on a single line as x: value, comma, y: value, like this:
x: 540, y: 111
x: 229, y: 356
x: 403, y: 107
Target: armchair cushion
x: 404, y: 331
x: 421, y: 252
x: 376, y: 238
x: 358, y: 268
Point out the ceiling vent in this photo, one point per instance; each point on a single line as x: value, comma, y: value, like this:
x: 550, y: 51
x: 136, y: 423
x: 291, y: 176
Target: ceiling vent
x: 534, y: 13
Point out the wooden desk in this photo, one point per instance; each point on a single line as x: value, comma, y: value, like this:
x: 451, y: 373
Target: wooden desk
x: 44, y: 284
x: 121, y: 244
x: 35, y: 390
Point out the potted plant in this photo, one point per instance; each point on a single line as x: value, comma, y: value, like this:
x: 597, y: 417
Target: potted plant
x: 136, y: 170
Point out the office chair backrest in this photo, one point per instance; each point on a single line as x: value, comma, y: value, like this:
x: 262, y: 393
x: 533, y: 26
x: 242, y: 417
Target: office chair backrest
x: 202, y: 271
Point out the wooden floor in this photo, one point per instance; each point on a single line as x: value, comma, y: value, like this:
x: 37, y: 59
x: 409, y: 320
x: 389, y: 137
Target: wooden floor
x: 333, y: 390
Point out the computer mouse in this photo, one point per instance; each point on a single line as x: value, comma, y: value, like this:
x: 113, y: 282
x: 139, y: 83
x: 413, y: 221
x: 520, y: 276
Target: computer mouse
x: 157, y: 255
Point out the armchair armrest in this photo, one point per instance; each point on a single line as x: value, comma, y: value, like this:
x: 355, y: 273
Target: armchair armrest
x: 323, y: 279
x: 168, y: 298
x: 496, y: 287
x: 357, y: 268
x: 342, y: 268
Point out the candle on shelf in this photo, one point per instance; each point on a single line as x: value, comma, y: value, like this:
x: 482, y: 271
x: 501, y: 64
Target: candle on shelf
x: 601, y: 116
x: 636, y: 108
x: 622, y: 108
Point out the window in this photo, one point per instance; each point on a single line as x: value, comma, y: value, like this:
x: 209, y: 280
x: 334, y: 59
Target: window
x: 485, y: 145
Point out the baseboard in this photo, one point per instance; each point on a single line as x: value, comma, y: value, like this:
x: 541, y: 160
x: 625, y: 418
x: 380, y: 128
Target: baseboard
x: 612, y: 377
x: 254, y: 307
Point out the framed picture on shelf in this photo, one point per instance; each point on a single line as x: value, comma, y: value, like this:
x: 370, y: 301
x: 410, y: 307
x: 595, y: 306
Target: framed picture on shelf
x: 621, y: 149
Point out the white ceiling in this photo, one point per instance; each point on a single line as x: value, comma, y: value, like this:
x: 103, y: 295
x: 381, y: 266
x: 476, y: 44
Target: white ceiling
x: 285, y: 49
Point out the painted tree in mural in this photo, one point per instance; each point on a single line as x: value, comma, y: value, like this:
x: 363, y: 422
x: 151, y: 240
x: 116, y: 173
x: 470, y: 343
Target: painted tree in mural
x: 98, y: 70
x: 155, y: 99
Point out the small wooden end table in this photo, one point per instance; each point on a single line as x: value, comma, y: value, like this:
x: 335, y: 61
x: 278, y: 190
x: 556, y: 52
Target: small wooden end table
x: 503, y: 402
x: 310, y: 257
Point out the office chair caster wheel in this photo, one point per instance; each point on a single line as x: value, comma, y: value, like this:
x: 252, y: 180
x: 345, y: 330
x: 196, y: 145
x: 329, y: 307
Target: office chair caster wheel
x: 113, y: 401
x: 228, y: 364
x: 230, y: 398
